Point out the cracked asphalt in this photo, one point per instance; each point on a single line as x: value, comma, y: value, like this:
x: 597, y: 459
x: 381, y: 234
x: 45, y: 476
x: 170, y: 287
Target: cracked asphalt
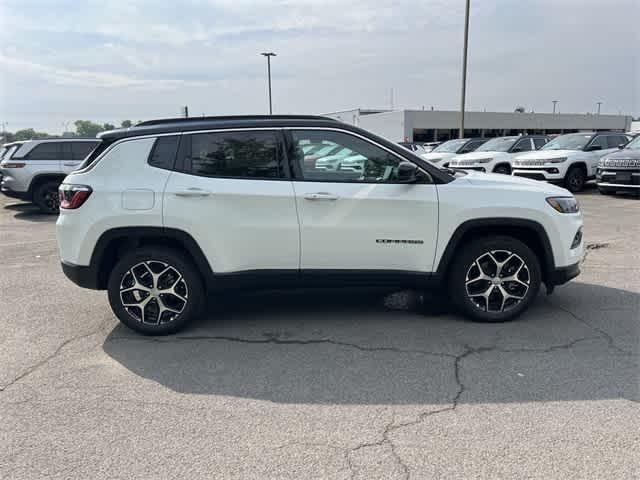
x: 325, y: 384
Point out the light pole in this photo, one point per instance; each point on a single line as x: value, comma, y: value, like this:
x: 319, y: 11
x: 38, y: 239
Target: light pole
x: 598, y: 103
x: 464, y: 69
x: 269, y: 55
x: 555, y: 102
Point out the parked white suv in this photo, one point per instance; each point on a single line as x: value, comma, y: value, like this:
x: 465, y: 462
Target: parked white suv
x: 166, y: 211
x: 444, y: 152
x: 496, y: 154
x: 569, y: 160
x: 34, y: 169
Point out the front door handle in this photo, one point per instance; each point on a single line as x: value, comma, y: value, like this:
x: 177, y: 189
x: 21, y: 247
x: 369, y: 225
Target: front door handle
x: 321, y: 196
x: 192, y: 192
x: 71, y: 164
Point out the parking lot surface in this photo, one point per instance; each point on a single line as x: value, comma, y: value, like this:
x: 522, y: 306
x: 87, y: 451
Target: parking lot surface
x: 324, y: 384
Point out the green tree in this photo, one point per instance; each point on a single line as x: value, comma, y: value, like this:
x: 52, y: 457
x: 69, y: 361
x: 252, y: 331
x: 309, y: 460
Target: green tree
x: 126, y: 124
x: 87, y: 128
x: 108, y: 126
x: 27, y: 134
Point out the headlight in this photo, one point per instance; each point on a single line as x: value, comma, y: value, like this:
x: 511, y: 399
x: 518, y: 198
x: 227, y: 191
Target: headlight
x: 558, y: 160
x: 564, y: 204
x: 601, y: 163
x: 484, y: 160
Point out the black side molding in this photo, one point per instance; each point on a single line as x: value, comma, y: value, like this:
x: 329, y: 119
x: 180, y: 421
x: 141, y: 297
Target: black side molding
x: 85, y: 277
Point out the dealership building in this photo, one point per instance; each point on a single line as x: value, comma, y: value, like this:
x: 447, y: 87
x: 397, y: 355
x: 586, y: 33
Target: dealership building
x: 439, y: 125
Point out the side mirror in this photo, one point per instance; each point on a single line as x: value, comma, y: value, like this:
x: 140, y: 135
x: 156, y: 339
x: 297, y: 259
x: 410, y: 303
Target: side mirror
x: 621, y: 146
x: 593, y: 148
x: 407, y: 172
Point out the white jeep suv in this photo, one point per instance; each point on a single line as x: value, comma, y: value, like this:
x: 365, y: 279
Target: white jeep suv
x: 161, y: 213
x: 32, y: 170
x: 569, y: 160
x: 496, y: 154
x: 441, y: 155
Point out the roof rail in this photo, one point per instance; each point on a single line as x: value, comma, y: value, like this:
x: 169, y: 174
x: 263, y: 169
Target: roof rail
x: 163, y: 121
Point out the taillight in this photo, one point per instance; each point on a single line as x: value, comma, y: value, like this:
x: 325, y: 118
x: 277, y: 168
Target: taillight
x: 13, y: 165
x: 73, y: 196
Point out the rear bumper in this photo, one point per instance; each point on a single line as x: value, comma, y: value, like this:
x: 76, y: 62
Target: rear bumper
x: 562, y: 275
x: 13, y: 194
x: 85, y: 277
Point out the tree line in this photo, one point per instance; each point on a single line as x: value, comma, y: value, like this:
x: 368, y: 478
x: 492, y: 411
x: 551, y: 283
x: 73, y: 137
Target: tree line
x: 83, y: 128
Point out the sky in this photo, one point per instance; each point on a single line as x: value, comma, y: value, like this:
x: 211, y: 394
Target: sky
x: 112, y: 60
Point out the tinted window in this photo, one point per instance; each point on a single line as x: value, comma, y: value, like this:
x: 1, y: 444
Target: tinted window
x: 523, y: 145
x: 539, y: 142
x: 46, y: 151
x: 233, y: 154
x: 353, y: 159
x: 473, y: 144
x: 164, y: 151
x: 80, y: 150
x: 600, y: 141
x: 614, y: 141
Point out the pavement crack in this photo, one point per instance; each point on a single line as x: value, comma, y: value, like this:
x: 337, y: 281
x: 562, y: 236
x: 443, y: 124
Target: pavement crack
x: 48, y: 358
x: 602, y: 334
x: 271, y: 339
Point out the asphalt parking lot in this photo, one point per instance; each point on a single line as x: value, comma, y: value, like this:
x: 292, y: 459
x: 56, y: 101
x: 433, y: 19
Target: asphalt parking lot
x: 321, y: 384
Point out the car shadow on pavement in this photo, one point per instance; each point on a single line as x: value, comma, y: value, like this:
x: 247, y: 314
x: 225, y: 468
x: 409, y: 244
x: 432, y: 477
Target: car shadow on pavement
x: 30, y: 213
x: 345, y: 347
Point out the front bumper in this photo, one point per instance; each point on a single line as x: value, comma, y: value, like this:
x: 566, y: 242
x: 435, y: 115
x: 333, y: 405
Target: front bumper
x: 85, y: 277
x: 562, y: 275
x: 618, y: 178
x: 548, y: 174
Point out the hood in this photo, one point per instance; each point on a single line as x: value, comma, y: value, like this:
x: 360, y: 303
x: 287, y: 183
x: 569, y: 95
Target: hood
x: 546, y: 154
x: 437, y: 156
x: 625, y: 153
x: 500, y: 181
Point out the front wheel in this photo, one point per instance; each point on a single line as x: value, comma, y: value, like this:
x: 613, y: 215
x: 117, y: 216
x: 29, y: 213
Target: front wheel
x: 575, y: 179
x: 155, y: 291
x: 46, y: 197
x: 494, y: 279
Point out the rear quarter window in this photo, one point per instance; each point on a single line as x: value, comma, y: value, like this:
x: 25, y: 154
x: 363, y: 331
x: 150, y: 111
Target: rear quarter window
x: 163, y: 154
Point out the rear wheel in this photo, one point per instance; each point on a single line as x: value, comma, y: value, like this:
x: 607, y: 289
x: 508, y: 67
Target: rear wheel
x: 155, y: 291
x: 575, y: 179
x: 494, y: 279
x: 46, y: 197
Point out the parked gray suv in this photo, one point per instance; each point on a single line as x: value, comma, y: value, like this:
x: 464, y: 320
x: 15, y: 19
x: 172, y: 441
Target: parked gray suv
x: 34, y: 169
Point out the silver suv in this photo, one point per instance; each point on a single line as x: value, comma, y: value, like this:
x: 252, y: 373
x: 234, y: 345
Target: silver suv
x: 34, y: 169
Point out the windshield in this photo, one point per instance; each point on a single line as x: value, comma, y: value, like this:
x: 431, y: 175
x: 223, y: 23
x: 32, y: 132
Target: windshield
x: 573, y: 141
x: 634, y: 144
x: 452, y: 146
x: 497, y: 145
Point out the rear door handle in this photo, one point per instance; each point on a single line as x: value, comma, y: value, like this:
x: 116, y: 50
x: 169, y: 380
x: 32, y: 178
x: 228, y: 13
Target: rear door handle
x: 192, y: 192
x: 321, y: 196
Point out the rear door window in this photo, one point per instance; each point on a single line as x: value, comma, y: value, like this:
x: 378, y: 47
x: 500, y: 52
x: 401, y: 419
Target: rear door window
x: 614, y: 141
x: 250, y: 154
x: 46, y: 151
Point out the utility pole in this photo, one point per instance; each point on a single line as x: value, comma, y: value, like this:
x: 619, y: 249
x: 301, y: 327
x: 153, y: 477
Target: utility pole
x: 555, y: 102
x: 598, y: 103
x: 269, y: 55
x: 391, y: 98
x: 464, y: 69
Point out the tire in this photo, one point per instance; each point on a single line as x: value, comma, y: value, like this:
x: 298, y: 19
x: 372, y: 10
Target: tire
x: 575, y: 179
x: 164, y: 312
x: 520, y: 262
x: 502, y: 169
x: 45, y: 196
x: 606, y: 191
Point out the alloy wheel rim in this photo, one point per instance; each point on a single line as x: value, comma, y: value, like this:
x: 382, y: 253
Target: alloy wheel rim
x: 51, y: 200
x: 497, y: 281
x: 154, y: 292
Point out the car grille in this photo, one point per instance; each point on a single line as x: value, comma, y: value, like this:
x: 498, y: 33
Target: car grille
x: 465, y: 163
x: 530, y: 163
x: 622, y: 163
